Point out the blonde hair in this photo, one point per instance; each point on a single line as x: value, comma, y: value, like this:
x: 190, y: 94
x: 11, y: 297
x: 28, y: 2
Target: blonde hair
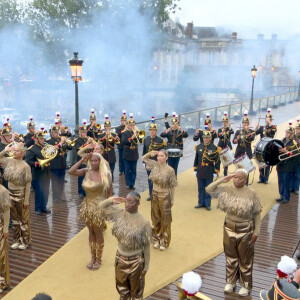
x: 104, y: 172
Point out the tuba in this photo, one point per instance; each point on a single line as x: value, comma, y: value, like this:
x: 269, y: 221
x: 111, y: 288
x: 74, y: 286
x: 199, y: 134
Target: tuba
x: 49, y: 152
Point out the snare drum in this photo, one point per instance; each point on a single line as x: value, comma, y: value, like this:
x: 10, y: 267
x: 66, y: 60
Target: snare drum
x: 173, y: 152
x: 267, y: 151
x: 244, y: 162
x: 226, y: 157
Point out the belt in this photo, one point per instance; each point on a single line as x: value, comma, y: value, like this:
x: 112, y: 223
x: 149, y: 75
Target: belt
x: 132, y: 147
x: 107, y: 149
x: 129, y: 258
x: 206, y: 164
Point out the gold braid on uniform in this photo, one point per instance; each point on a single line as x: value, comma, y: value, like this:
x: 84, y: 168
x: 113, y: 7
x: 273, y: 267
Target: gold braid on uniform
x: 242, y: 202
x: 4, y: 201
x: 131, y: 230
x: 17, y: 172
x: 163, y: 176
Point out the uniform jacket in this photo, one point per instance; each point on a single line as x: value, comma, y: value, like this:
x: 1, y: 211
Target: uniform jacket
x: 28, y: 139
x: 244, y: 142
x: 130, y: 151
x: 207, y: 161
x: 109, y: 146
x: 155, y: 144
x: 224, y: 137
x: 79, y: 142
x: 119, y: 130
x: 93, y: 132
x: 59, y: 162
x: 288, y: 165
x: 175, y: 138
x: 266, y: 131
x: 32, y: 155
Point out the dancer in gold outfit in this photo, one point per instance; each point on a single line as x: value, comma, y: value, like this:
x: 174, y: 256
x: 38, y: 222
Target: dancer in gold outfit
x: 164, y: 182
x: 4, y: 221
x: 97, y: 186
x: 241, y: 228
x: 18, y: 174
x: 133, y: 233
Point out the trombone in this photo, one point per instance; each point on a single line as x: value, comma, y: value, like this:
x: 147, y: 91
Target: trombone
x: 290, y: 154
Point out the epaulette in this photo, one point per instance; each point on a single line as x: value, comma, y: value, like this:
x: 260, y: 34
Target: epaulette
x: 30, y: 147
x: 48, y: 139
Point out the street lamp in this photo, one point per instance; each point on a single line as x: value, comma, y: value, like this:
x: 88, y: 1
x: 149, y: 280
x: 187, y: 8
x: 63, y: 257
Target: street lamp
x: 253, y: 74
x: 76, y: 68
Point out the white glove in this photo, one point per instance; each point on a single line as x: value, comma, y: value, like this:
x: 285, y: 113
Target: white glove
x: 195, y: 173
x: 144, y: 165
x: 215, y: 175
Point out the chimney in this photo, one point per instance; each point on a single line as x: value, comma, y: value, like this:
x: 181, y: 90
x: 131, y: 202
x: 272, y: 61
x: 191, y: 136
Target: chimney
x: 274, y: 37
x: 260, y: 37
x: 189, y: 30
x: 234, y: 36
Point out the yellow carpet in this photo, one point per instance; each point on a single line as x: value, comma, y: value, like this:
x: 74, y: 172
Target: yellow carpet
x: 196, y: 238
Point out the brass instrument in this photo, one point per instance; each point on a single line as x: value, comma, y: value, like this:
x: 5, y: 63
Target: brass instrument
x: 97, y: 126
x: 49, y: 152
x: 139, y: 133
x: 70, y: 143
x: 294, y: 153
x: 11, y: 145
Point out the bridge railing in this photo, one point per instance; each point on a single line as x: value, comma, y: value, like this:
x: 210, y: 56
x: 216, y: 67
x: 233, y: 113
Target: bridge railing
x: 195, y: 119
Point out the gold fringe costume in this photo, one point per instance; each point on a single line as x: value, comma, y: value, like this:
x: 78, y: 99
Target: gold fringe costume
x: 242, y: 220
x: 4, y: 221
x: 164, y: 181
x: 91, y: 213
x: 18, y: 174
x: 133, y: 233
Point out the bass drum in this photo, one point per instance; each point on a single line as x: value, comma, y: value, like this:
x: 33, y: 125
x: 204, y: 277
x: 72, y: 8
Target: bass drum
x: 267, y: 151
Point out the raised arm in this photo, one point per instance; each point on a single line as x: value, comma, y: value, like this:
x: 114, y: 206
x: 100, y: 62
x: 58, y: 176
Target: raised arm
x: 74, y: 169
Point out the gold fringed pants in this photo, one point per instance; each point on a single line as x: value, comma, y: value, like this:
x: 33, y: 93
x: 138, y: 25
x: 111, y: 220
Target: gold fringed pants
x: 128, y: 270
x: 4, y: 267
x: 161, y: 217
x: 20, y: 218
x: 239, y: 252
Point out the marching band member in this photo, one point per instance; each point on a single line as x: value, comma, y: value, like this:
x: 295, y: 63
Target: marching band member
x: 199, y: 133
x: 152, y: 143
x: 286, y: 167
x: 109, y: 140
x: 29, y: 136
x: 58, y: 164
x: 224, y: 134
x: 40, y: 175
x: 164, y: 181
x: 5, y: 137
x: 18, y: 175
x: 80, y: 142
x: 296, y: 176
x: 206, y: 164
x: 119, y: 130
x: 93, y: 129
x: 175, y: 135
x: 63, y: 130
x: 130, y: 140
x: 243, y: 138
x: 268, y: 130
x: 4, y: 221
x: 174, y: 116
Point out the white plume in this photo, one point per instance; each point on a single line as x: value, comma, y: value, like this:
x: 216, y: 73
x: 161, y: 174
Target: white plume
x: 191, y: 282
x: 287, y: 265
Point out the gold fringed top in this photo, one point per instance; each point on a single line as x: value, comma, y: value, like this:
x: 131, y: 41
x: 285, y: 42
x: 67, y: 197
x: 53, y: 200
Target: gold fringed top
x: 17, y: 172
x: 132, y: 231
x: 161, y: 174
x: 240, y: 204
x: 4, y: 200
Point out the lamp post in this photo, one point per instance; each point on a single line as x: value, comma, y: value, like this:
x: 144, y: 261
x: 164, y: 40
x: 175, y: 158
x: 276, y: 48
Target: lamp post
x: 76, y: 68
x: 253, y: 74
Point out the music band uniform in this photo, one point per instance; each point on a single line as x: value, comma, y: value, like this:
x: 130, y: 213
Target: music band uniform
x: 266, y: 131
x: 130, y: 155
x: 294, y: 186
x: 175, y: 141
x: 286, y: 168
x: 40, y: 176
x: 206, y: 164
x: 156, y: 144
x: 119, y: 130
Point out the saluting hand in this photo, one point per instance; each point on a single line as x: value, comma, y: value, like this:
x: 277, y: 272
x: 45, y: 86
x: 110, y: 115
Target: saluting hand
x: 227, y: 178
x: 118, y: 200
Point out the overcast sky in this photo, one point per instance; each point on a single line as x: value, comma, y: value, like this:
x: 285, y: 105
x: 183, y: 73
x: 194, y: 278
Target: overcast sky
x: 246, y: 17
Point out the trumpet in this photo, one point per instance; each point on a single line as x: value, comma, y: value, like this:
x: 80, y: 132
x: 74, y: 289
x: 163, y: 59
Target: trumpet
x: 70, y: 143
x: 97, y: 126
x: 140, y: 134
